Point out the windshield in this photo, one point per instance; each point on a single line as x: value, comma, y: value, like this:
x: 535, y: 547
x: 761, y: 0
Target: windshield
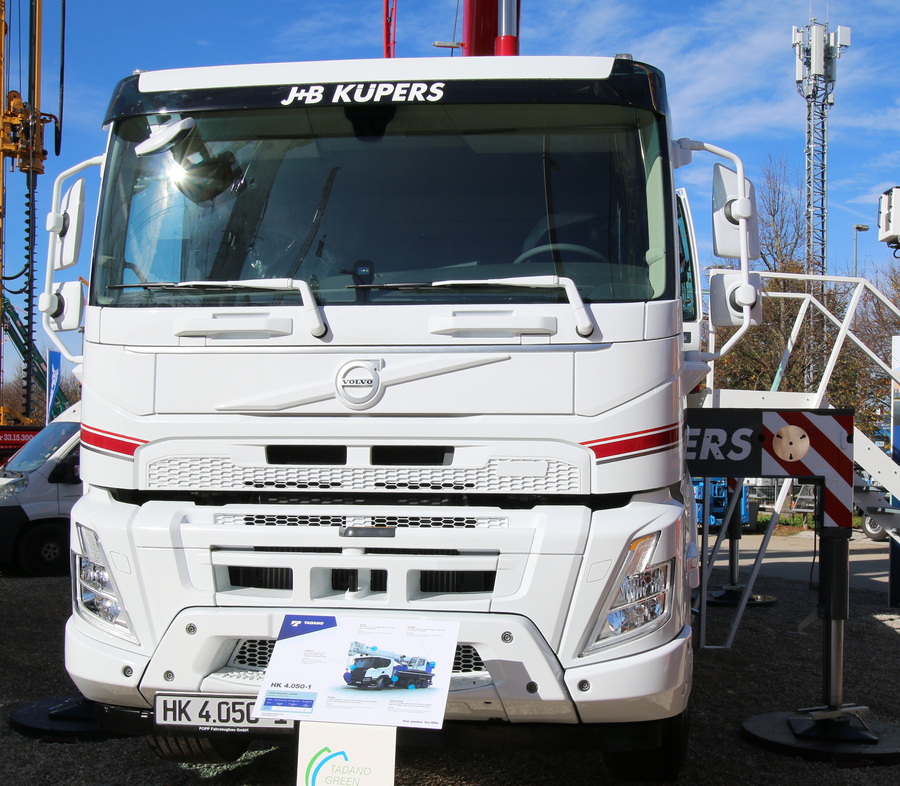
x: 371, y: 662
x: 356, y: 199
x: 43, y: 445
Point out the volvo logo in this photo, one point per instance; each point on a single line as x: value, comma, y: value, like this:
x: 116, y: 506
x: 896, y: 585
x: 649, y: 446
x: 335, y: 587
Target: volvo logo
x: 358, y: 383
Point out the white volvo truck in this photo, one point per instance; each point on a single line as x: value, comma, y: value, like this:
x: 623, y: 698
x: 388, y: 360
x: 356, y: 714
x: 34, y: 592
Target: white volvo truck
x: 391, y: 338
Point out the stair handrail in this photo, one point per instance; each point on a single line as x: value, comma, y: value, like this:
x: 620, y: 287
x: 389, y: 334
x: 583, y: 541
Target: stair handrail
x: 861, y: 286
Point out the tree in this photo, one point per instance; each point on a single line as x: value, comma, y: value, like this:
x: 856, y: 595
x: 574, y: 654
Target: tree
x: 12, y: 400
x: 780, y: 206
x: 70, y: 387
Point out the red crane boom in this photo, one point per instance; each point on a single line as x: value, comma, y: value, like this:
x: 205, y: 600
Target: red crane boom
x: 490, y: 27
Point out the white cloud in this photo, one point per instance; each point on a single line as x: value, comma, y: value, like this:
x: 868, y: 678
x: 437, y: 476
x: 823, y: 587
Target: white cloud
x: 330, y: 31
x: 874, y: 193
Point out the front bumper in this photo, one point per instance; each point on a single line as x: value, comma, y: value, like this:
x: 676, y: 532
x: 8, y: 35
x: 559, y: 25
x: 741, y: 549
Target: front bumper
x: 518, y: 678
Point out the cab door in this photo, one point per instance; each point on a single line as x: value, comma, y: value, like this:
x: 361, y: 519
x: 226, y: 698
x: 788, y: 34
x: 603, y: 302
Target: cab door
x: 691, y: 289
x: 68, y: 479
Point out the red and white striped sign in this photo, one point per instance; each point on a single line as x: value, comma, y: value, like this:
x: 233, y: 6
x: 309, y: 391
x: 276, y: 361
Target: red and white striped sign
x: 804, y: 444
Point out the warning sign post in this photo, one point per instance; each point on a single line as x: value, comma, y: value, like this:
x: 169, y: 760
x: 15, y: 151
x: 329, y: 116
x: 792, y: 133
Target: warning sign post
x: 815, y: 446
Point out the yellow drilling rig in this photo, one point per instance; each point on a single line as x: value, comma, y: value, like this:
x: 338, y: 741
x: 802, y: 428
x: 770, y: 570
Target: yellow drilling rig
x: 22, y: 145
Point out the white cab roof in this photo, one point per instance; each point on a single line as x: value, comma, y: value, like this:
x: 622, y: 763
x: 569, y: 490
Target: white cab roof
x: 388, y: 69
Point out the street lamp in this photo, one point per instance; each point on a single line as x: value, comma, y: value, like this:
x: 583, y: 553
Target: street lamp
x: 857, y: 228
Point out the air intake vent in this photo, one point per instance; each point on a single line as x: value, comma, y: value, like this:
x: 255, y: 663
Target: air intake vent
x: 456, y: 581
x: 252, y: 654
x: 261, y: 578
x: 347, y: 580
x: 430, y: 582
x: 411, y: 456
x: 311, y: 455
x: 467, y: 660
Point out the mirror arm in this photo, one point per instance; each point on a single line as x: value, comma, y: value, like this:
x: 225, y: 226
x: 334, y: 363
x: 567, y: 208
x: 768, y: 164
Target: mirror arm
x: 741, y: 210
x: 52, y: 245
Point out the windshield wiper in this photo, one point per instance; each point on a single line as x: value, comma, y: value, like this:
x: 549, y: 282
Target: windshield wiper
x: 311, y: 312
x: 583, y: 324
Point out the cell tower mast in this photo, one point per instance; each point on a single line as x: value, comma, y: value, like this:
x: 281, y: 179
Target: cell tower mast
x: 817, y: 52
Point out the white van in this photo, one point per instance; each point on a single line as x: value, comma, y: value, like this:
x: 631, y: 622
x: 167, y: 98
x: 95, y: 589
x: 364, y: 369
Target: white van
x: 38, y: 487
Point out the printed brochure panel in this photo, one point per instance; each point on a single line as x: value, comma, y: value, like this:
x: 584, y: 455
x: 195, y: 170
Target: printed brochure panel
x: 378, y: 672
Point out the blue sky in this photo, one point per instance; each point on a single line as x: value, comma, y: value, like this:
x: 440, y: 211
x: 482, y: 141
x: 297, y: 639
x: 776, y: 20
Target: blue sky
x: 729, y: 68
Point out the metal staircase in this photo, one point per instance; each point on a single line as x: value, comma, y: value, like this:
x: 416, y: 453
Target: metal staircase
x: 871, y: 461
x: 877, y: 474
x: 871, y: 496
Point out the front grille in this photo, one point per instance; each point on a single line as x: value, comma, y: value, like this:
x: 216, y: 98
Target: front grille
x: 221, y: 473
x: 254, y: 655
x: 356, y: 520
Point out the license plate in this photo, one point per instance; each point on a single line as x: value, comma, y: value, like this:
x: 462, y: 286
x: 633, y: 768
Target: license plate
x: 204, y: 712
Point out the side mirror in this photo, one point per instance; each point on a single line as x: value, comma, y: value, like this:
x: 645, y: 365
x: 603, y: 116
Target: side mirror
x: 889, y: 217
x: 64, y: 306
x: 65, y: 224
x: 68, y: 224
x: 68, y: 470
x: 727, y: 293
x: 165, y: 137
x: 728, y: 209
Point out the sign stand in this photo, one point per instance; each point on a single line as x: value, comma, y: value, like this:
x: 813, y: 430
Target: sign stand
x: 351, y: 680
x: 834, y: 731
x: 732, y: 594
x: 894, y: 573
x: 816, y: 445
x: 345, y: 753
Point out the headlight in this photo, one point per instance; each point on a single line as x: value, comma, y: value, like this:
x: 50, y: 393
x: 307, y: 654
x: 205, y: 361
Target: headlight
x: 97, y: 598
x: 641, y: 602
x: 11, y: 488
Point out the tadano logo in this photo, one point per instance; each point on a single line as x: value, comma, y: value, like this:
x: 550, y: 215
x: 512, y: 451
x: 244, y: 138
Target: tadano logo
x: 326, y: 768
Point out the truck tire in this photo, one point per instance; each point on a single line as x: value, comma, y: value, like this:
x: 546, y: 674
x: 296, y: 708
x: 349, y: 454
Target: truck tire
x: 660, y: 764
x: 873, y: 530
x: 382, y: 683
x: 214, y: 749
x: 43, y: 549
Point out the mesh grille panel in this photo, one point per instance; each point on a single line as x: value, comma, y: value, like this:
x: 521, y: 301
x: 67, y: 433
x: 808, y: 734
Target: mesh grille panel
x: 298, y: 520
x: 254, y: 654
x: 467, y: 660
x: 220, y: 473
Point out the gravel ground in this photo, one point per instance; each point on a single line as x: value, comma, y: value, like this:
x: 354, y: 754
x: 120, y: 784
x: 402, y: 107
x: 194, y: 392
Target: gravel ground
x: 774, y: 666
